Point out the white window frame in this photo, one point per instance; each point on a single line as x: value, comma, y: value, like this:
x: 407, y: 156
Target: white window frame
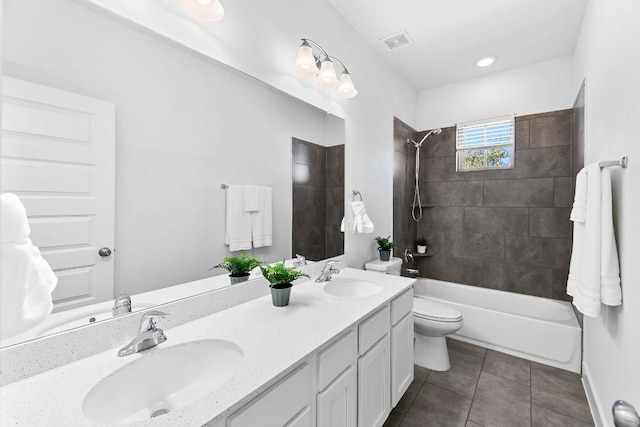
x: 461, y: 148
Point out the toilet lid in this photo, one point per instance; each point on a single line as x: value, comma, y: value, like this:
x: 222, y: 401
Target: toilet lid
x: 433, y: 310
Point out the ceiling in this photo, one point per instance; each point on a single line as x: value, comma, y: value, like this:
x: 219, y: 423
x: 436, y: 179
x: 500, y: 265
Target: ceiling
x: 450, y: 35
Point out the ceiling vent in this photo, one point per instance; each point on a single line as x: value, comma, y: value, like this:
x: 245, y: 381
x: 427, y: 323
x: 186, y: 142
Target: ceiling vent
x: 396, y: 40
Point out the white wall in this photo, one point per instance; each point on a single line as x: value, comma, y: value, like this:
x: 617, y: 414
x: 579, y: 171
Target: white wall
x: 541, y: 87
x: 606, y: 56
x: 184, y: 126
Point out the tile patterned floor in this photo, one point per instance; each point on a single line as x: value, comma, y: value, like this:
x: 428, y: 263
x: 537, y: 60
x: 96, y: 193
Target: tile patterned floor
x: 492, y: 389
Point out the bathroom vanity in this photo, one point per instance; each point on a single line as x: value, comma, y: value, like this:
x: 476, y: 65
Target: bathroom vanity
x: 329, y: 358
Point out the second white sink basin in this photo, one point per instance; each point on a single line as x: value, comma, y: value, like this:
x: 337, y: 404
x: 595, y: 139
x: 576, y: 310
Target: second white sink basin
x: 162, y: 381
x: 352, y: 288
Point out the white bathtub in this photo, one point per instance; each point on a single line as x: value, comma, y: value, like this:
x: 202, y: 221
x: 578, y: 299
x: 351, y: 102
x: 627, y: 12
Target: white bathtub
x: 534, y: 328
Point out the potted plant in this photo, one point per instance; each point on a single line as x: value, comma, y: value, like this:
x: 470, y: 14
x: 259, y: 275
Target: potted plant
x: 238, y: 267
x: 421, y: 245
x: 384, y: 246
x: 280, y: 278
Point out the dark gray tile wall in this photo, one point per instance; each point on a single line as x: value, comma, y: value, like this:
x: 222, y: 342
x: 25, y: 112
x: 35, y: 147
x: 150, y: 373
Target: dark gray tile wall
x: 404, y: 228
x: 506, y: 229
x: 318, y: 200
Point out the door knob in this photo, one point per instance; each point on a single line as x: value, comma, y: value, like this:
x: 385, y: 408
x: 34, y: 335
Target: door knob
x: 624, y: 415
x: 104, y: 252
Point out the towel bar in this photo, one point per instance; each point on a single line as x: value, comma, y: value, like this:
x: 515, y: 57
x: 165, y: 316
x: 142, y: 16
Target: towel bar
x: 623, y: 163
x: 356, y: 193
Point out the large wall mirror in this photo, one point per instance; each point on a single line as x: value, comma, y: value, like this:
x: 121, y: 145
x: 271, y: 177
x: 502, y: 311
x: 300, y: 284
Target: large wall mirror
x: 178, y: 124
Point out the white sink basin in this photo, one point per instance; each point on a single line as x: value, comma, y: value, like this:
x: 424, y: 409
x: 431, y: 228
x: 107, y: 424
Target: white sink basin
x: 162, y: 381
x: 86, y: 318
x: 352, y: 288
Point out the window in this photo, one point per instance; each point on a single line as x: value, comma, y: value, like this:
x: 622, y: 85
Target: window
x: 485, y: 144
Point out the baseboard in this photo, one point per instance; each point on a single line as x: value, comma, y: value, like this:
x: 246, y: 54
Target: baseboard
x: 592, y: 397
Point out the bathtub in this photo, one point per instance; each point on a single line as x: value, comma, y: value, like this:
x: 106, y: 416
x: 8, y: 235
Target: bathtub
x: 538, y: 329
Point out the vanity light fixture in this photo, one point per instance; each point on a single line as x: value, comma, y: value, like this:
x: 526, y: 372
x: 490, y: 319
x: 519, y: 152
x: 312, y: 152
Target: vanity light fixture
x: 486, y: 61
x: 322, y: 70
x: 204, y: 10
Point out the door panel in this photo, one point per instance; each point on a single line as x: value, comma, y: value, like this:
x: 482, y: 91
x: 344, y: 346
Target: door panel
x: 58, y: 156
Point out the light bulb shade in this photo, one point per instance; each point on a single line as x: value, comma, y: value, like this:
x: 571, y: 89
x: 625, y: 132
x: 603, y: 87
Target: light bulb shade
x: 204, y: 10
x: 305, y: 62
x: 345, y: 88
x: 326, y: 78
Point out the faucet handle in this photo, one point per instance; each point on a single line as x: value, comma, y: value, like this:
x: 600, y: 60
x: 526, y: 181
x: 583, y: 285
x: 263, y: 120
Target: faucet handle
x: 301, y: 260
x: 329, y: 265
x: 148, y: 320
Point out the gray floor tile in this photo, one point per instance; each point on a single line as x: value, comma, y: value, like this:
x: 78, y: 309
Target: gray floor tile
x: 464, y: 347
x: 463, y: 375
x: 560, y: 391
x: 507, y: 366
x: 501, y: 402
x: 543, y: 417
x: 420, y: 375
x: 394, y: 420
x: 472, y: 424
x: 435, y: 407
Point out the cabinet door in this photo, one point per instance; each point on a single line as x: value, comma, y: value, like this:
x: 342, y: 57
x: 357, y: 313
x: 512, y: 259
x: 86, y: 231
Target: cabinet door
x: 337, y: 405
x: 303, y: 419
x: 374, y: 372
x: 401, y: 358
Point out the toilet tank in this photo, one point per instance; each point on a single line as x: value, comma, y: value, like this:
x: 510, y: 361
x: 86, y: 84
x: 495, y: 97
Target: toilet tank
x: 392, y: 266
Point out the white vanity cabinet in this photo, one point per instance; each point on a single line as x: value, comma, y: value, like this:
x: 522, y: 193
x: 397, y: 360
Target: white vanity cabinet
x: 353, y: 381
x: 401, y: 345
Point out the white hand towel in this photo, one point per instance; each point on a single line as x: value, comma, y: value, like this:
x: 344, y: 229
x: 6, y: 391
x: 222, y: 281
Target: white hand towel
x: 343, y: 224
x: 610, y: 290
x: 261, y: 221
x: 26, y: 279
x: 251, y: 198
x: 362, y: 222
x: 238, y: 230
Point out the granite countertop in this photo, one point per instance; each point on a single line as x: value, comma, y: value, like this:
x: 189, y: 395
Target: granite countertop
x: 273, y: 339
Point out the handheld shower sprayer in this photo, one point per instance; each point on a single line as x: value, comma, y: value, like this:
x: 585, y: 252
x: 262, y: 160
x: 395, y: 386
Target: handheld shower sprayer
x: 417, y: 203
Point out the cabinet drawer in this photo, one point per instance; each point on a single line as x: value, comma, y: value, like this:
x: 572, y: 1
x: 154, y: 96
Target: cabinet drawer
x: 372, y: 329
x: 401, y: 306
x: 335, y: 359
x: 280, y: 405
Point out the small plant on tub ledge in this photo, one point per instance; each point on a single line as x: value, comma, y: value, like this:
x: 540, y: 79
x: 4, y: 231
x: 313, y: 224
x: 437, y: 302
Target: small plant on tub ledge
x: 421, y: 245
x: 238, y: 267
x: 384, y: 247
x: 280, y: 279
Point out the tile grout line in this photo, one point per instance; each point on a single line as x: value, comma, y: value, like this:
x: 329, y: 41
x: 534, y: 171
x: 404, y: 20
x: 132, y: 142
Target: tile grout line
x: 475, y: 390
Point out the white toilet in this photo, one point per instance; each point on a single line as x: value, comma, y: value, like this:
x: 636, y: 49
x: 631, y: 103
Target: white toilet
x: 432, y: 321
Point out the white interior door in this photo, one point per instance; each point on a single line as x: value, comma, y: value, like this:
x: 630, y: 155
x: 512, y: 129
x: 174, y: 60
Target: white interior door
x: 58, y: 156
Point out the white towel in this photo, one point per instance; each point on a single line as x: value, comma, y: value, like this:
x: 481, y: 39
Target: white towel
x: 26, y: 279
x: 610, y: 290
x: 251, y: 198
x: 593, y: 271
x: 261, y: 221
x: 238, y: 231
x: 361, y: 221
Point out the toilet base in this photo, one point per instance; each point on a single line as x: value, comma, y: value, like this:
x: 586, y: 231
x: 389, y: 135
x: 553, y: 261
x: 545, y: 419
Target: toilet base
x: 431, y: 353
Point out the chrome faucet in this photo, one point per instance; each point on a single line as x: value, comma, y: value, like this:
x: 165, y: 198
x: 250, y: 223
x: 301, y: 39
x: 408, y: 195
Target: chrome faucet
x: 122, y: 305
x: 148, y: 335
x: 327, y: 272
x: 301, y: 260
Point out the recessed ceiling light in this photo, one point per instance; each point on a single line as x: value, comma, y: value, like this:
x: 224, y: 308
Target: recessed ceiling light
x: 486, y: 61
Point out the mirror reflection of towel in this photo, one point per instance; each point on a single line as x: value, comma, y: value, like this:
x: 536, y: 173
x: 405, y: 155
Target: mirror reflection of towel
x: 26, y: 279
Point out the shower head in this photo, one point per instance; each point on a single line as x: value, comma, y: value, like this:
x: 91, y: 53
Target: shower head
x: 431, y: 132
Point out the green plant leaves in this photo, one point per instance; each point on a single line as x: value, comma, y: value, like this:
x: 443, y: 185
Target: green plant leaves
x: 279, y: 274
x: 239, y: 265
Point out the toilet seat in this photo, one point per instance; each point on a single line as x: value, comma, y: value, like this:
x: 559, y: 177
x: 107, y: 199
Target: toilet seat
x: 434, y: 311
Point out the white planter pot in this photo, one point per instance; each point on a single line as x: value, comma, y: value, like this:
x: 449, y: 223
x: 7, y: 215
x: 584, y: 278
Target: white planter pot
x: 422, y: 249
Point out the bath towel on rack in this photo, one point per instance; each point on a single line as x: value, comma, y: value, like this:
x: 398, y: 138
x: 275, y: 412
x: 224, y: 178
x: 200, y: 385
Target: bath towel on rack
x: 238, y: 228
x: 594, y: 276
x: 261, y: 220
